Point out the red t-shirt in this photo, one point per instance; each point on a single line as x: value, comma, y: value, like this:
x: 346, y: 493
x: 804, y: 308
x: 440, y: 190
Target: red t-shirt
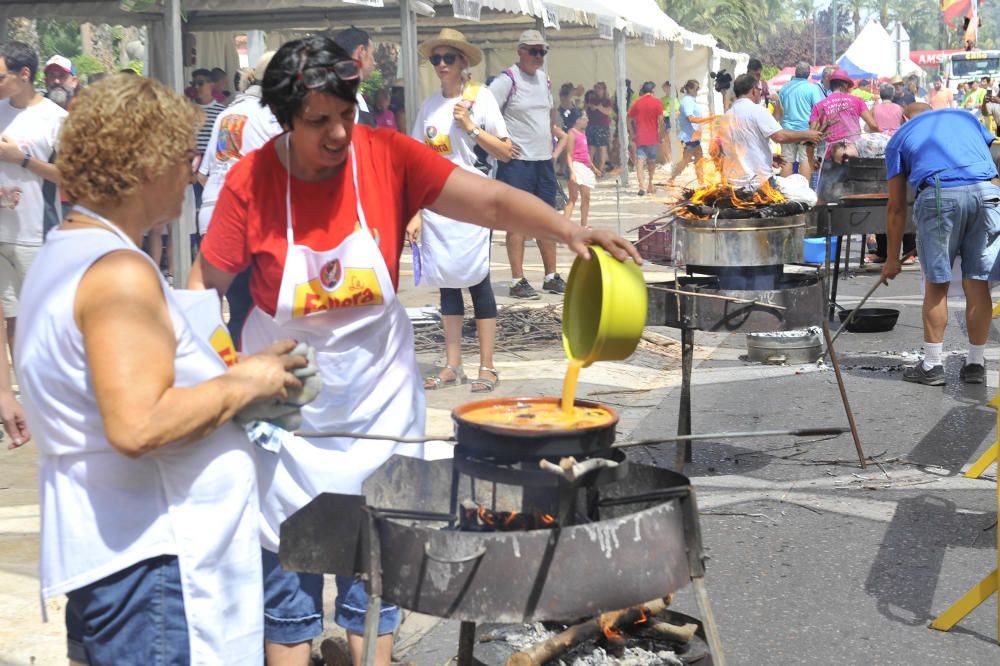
x: 397, y: 177
x: 647, y: 112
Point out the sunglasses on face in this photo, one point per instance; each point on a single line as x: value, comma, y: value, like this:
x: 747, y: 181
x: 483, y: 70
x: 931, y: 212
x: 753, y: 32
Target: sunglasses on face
x: 537, y: 52
x: 317, y: 77
x: 448, y: 58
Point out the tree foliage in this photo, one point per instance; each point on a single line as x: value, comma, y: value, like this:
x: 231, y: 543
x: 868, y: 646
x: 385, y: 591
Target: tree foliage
x: 780, y: 32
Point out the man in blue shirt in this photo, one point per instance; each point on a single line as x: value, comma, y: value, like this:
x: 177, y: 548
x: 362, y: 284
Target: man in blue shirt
x: 797, y: 97
x: 945, y: 157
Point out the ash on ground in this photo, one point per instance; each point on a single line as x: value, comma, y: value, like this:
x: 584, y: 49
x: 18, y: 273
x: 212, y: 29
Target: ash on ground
x: 522, y: 638
x: 633, y: 656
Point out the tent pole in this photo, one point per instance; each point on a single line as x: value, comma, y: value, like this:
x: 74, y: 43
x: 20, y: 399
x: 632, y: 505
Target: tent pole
x: 411, y: 73
x: 675, y: 145
x: 623, y: 138
x: 180, y: 233
x: 711, y: 91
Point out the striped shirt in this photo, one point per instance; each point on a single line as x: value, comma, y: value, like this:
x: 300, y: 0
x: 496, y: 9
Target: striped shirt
x: 212, y: 111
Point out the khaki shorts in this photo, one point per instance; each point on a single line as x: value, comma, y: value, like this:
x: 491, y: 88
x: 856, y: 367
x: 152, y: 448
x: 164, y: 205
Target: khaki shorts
x: 794, y: 152
x: 15, y: 260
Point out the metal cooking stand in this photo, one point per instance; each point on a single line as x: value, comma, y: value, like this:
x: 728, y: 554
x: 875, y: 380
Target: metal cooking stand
x: 467, y: 631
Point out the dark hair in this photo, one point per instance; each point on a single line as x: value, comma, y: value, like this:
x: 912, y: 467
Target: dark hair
x: 588, y: 97
x: 281, y: 88
x: 666, y: 83
x: 886, y: 92
x: 565, y: 89
x: 647, y: 87
x: 207, y: 73
x: 743, y: 84
x: 17, y: 56
x: 572, y: 117
x: 754, y: 64
x: 839, y: 84
x: 218, y: 74
x: 351, y: 38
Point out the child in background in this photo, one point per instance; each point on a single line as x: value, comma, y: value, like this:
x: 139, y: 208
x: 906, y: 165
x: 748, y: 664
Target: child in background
x: 384, y: 117
x: 583, y: 173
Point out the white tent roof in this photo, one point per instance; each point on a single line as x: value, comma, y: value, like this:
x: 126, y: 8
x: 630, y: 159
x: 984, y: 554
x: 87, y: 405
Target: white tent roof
x: 872, y: 54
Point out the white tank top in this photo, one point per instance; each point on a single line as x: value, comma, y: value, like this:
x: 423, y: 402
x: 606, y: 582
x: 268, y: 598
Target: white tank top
x: 102, y: 511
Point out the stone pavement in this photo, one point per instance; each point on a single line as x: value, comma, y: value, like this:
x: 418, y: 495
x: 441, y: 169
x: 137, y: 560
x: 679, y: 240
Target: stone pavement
x: 812, y: 561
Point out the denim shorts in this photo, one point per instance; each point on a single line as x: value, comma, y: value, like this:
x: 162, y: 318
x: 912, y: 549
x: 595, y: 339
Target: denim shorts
x: 968, y: 226
x: 134, y: 616
x: 536, y: 177
x: 293, y: 605
x: 649, y: 153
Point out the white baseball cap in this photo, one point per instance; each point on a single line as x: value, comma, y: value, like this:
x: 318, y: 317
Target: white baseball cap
x: 532, y: 38
x: 62, y: 63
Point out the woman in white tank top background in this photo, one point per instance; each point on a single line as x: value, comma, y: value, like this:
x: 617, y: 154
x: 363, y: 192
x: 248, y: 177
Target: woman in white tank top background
x: 148, y: 494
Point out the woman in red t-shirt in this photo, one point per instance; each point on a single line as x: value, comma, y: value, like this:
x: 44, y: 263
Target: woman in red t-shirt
x: 599, y: 129
x: 319, y: 212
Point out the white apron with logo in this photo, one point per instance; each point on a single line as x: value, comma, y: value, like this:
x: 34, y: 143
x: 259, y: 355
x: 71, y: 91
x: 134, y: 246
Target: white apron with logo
x: 211, y: 498
x: 342, y: 302
x: 453, y: 253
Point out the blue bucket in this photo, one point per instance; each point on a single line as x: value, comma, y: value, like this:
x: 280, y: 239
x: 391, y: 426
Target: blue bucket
x: 812, y: 252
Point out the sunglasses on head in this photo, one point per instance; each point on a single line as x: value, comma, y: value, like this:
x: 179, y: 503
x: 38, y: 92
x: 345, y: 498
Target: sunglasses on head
x: 318, y: 76
x: 448, y: 58
x: 537, y: 51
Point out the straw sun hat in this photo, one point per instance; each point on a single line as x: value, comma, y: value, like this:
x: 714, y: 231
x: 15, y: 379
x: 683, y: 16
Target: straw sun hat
x: 455, y: 40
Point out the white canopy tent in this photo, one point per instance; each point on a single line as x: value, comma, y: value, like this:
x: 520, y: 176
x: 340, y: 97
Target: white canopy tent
x: 578, y: 54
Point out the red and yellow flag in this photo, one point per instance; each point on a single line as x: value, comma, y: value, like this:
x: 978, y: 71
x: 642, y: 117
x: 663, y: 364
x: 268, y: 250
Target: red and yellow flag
x: 954, y: 11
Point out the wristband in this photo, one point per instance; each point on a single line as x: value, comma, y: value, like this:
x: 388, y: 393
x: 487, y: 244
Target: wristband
x: 24, y: 162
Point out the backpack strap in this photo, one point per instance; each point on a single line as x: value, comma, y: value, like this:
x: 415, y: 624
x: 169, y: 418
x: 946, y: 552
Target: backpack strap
x: 513, y: 85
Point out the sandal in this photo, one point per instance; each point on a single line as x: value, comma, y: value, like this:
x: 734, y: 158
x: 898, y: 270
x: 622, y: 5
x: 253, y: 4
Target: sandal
x: 435, y: 382
x: 487, y: 384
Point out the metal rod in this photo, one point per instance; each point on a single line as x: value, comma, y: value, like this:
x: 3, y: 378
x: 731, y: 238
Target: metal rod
x: 683, y: 453
x: 320, y: 434
x: 843, y: 394
x: 797, y: 432
x: 373, y: 612
x: 708, y: 621
x: 466, y: 643
x: 854, y: 311
x: 719, y: 297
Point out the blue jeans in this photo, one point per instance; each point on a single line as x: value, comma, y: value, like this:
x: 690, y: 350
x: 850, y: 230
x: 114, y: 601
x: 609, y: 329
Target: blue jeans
x: 966, y: 223
x: 293, y: 605
x: 536, y: 177
x: 648, y: 153
x: 134, y: 616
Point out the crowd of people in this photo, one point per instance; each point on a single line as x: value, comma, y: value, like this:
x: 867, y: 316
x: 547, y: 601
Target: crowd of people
x: 306, y: 194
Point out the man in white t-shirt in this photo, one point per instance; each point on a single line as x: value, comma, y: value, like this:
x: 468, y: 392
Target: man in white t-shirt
x: 357, y: 42
x: 745, y: 136
x: 243, y: 127
x: 525, y: 98
x: 29, y: 125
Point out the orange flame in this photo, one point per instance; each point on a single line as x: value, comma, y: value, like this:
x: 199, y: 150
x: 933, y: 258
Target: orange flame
x: 546, y: 519
x: 642, y: 616
x: 610, y: 632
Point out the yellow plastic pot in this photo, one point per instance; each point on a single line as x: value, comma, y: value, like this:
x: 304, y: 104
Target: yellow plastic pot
x: 604, y: 310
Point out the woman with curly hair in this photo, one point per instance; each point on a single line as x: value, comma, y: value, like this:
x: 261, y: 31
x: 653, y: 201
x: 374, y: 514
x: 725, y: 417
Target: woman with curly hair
x: 149, y: 502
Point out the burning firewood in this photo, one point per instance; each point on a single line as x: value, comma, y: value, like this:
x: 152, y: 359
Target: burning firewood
x: 607, y: 624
